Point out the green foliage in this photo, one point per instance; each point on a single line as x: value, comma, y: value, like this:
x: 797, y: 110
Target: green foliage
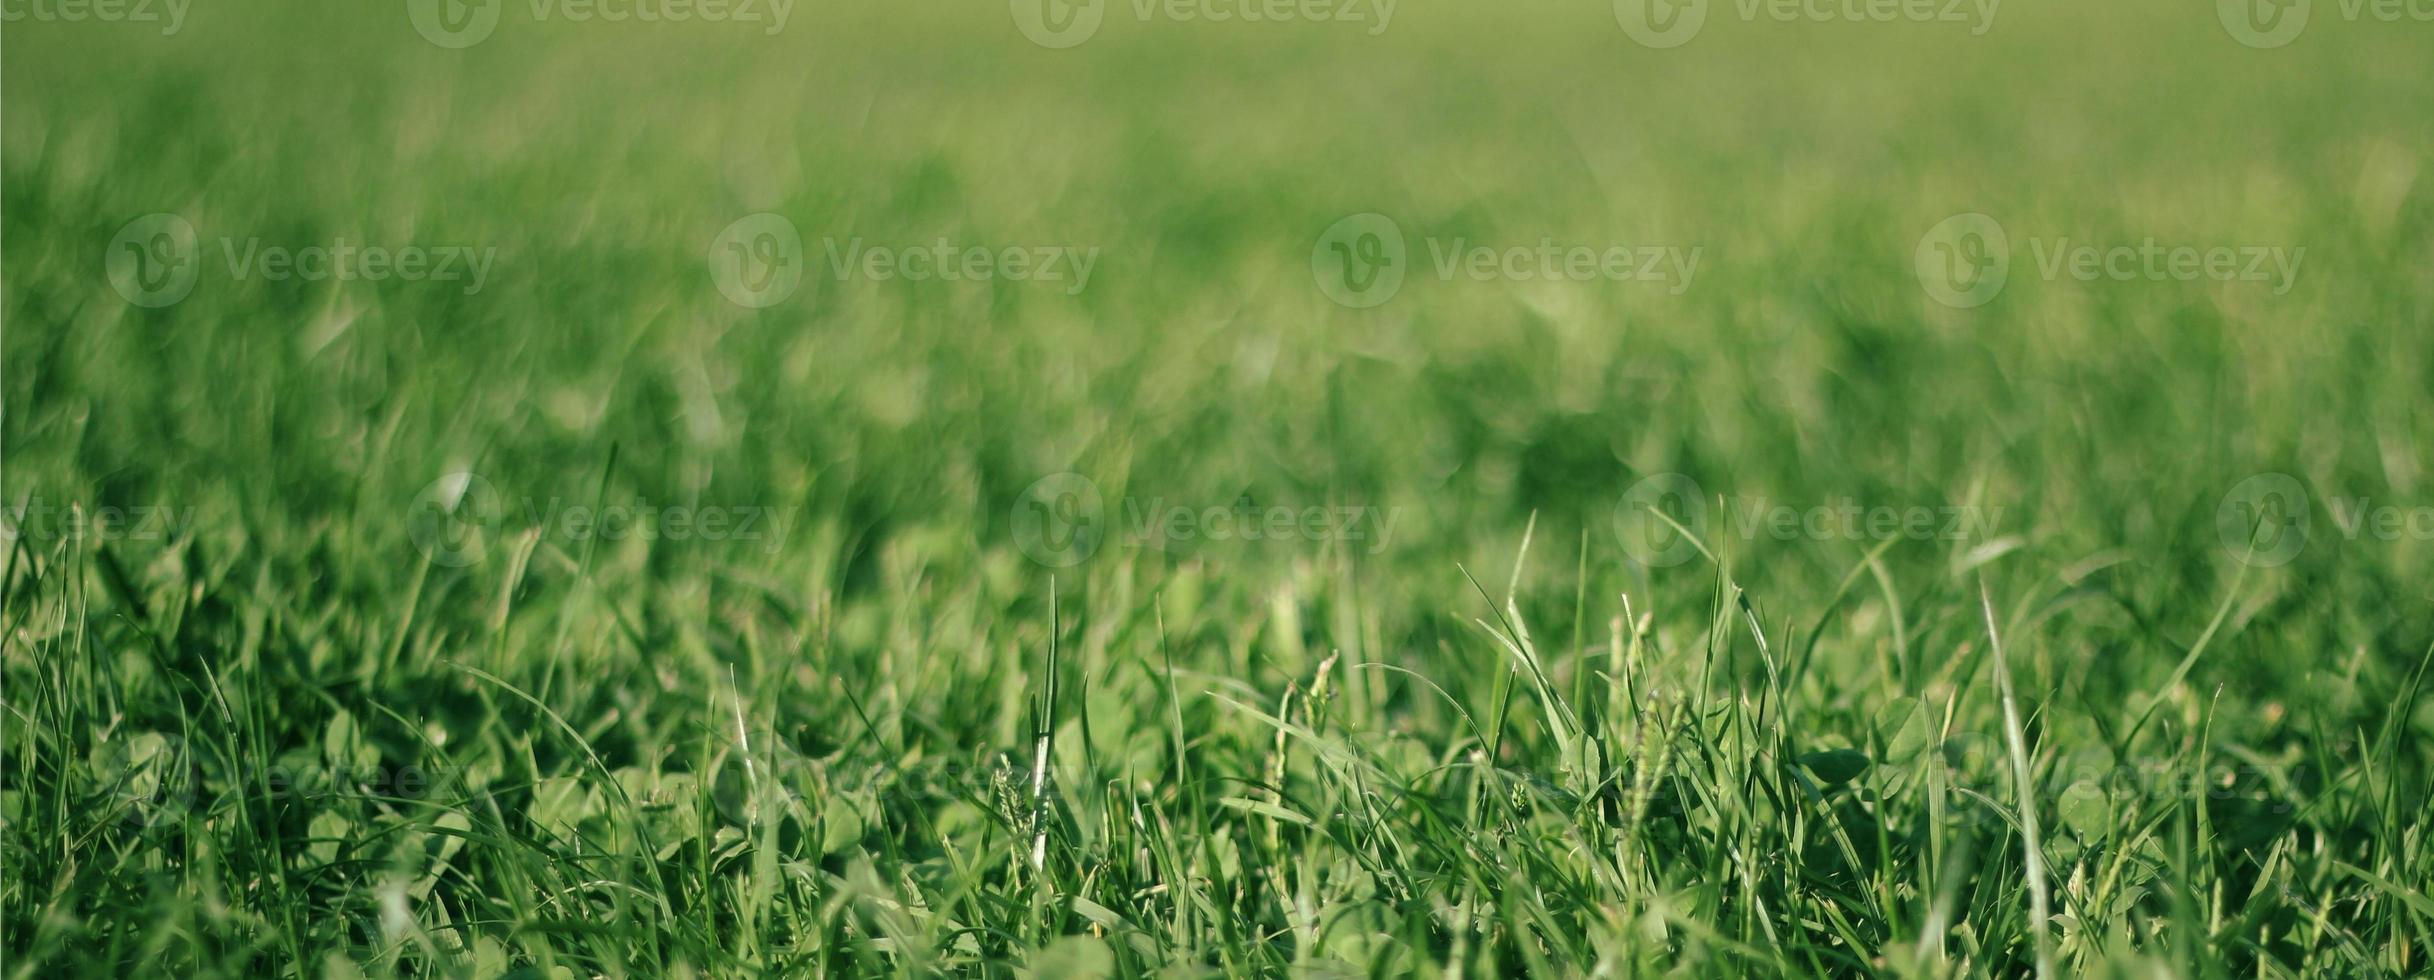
x: 319, y: 706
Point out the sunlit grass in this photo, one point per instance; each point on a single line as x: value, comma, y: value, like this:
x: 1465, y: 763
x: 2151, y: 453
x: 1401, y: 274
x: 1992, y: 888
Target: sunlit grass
x: 635, y: 613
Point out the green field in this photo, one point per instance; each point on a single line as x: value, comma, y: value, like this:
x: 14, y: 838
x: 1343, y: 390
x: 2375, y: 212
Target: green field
x: 948, y: 488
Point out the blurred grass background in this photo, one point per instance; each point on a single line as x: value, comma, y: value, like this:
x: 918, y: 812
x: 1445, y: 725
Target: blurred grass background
x: 892, y: 427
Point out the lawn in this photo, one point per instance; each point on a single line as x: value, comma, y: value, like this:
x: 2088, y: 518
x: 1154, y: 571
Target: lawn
x: 556, y: 489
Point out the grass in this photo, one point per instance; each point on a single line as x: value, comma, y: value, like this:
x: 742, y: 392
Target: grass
x: 1186, y: 621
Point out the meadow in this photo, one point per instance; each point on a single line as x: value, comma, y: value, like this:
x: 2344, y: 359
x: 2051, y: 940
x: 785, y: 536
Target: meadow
x: 1332, y: 489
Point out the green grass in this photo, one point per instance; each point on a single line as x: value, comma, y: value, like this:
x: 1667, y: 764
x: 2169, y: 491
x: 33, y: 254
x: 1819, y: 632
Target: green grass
x: 316, y: 706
